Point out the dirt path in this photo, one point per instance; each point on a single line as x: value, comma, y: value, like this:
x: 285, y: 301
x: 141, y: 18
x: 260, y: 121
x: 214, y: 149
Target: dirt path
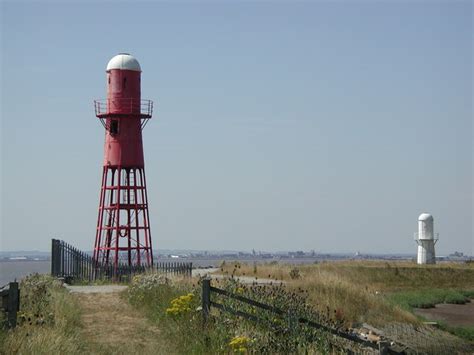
x: 112, y: 326
x: 213, y: 273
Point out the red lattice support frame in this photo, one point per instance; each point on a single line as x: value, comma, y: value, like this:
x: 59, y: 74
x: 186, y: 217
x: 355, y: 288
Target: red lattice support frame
x: 123, y: 230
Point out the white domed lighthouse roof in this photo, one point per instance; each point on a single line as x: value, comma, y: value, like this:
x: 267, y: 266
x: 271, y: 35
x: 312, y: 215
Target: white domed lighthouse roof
x: 425, y: 217
x: 124, y: 61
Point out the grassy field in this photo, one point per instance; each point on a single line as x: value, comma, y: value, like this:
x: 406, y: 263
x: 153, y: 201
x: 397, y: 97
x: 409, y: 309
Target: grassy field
x: 375, y: 292
x: 338, y: 294
x: 47, y: 323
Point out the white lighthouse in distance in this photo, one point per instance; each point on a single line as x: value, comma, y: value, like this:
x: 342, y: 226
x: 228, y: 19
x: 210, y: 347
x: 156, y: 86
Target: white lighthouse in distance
x: 426, y: 239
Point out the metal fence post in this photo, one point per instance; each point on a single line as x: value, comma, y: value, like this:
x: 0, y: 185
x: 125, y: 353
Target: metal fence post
x: 52, y: 257
x: 206, y: 298
x: 13, y: 303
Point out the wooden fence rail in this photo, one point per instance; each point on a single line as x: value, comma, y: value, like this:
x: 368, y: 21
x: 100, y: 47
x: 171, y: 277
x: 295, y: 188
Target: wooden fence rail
x: 70, y: 263
x: 207, y: 303
x: 11, y: 302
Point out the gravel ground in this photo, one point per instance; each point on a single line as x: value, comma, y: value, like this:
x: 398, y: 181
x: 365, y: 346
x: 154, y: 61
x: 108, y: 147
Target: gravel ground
x: 243, y: 279
x: 203, y: 272
x: 95, y: 289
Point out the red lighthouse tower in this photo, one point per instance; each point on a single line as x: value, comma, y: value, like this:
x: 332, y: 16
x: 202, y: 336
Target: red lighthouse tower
x: 123, y: 227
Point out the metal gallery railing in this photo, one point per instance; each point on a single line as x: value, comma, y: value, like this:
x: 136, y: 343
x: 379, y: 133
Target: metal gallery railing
x: 105, y: 107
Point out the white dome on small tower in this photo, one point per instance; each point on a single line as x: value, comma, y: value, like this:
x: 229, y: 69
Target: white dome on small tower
x: 124, y: 61
x: 425, y: 217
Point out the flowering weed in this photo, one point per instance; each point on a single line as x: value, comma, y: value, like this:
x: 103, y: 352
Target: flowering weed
x: 239, y: 344
x: 180, y: 305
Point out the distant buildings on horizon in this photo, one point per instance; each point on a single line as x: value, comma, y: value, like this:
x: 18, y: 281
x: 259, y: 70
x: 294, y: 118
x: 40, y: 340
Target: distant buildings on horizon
x: 299, y: 255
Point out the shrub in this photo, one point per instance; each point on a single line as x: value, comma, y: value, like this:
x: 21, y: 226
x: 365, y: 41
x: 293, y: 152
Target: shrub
x: 295, y: 273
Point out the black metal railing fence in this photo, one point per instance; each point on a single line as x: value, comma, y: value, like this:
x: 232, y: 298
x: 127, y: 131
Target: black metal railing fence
x: 73, y: 264
x: 69, y: 262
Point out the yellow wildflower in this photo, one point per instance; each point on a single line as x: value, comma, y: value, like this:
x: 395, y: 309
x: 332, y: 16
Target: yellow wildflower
x: 239, y: 344
x: 180, y: 305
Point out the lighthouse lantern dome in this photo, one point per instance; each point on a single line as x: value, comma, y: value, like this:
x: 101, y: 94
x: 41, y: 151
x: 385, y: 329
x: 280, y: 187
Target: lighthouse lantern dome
x: 124, y: 61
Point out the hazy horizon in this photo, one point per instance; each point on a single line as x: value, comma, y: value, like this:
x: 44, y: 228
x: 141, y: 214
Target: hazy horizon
x: 277, y: 126
x: 276, y: 252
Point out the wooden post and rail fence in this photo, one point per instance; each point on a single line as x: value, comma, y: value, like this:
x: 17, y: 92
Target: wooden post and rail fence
x: 208, y: 303
x: 72, y: 264
x: 10, y: 294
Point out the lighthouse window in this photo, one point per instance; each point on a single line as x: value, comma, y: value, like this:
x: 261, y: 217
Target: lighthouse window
x: 114, y: 127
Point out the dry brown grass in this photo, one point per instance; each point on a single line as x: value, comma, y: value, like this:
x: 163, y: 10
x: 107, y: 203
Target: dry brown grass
x: 53, y: 321
x: 356, y: 289
x: 112, y: 326
x: 374, y: 275
x: 33, y: 335
x: 330, y: 292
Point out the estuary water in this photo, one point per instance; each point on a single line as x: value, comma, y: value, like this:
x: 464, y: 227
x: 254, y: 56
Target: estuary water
x: 11, y: 270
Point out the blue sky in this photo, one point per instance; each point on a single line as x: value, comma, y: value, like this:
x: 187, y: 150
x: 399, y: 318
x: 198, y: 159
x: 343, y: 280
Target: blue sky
x: 315, y: 125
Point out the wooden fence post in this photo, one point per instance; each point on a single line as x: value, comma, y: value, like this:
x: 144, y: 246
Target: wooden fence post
x: 13, y: 303
x: 383, y: 348
x: 292, y: 321
x: 206, y: 298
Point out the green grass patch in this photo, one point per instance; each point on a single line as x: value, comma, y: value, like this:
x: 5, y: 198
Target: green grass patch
x: 466, y: 333
x: 428, y: 298
x: 462, y: 332
x: 469, y: 294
